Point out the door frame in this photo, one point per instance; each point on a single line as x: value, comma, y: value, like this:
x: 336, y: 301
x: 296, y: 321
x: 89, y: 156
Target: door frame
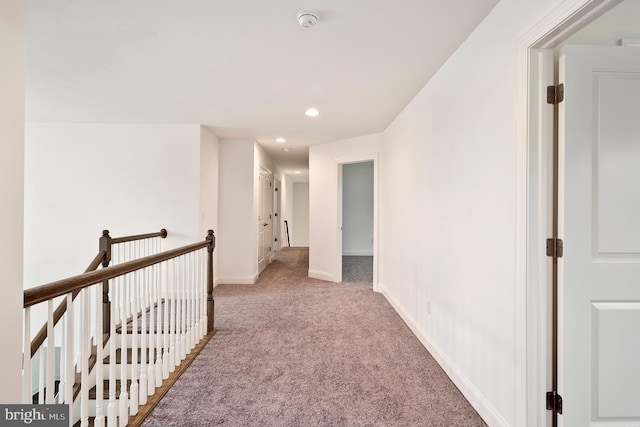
x: 534, y: 164
x: 275, y: 224
x: 339, y: 164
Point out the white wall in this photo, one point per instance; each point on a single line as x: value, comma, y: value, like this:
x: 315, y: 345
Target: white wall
x: 82, y: 178
x: 237, y: 234
x: 240, y: 162
x: 209, y: 188
x: 12, y: 86
x: 448, y: 222
x: 299, y: 226
x: 323, y: 199
x: 357, y: 209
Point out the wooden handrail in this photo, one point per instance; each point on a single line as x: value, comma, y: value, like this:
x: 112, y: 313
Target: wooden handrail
x: 43, y: 293
x: 162, y: 233
x: 38, y: 340
x: 103, y: 257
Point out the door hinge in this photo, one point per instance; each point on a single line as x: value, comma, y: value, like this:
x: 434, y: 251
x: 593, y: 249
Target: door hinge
x: 554, y: 248
x: 555, y: 94
x: 554, y: 402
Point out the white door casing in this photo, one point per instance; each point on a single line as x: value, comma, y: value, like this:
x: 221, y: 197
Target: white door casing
x: 265, y: 203
x: 599, y: 221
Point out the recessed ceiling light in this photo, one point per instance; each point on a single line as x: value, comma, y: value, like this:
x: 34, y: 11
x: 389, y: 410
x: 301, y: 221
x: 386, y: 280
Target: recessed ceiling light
x: 286, y: 149
x: 297, y: 172
x: 312, y: 112
x: 281, y: 140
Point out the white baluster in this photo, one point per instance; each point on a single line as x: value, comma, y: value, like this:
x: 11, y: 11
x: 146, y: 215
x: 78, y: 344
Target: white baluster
x: 27, y: 397
x: 183, y: 306
x: 166, y: 327
x: 86, y: 354
x: 135, y: 368
x: 113, y: 291
x: 172, y: 312
x: 189, y: 292
x: 68, y: 371
x: 159, y: 330
x: 41, y: 379
x: 201, y: 299
x: 194, y: 307
x: 178, y: 330
x: 196, y: 300
x: 142, y: 385
x: 195, y: 311
x: 99, y: 340
x: 203, y: 291
x: 112, y: 410
x: 123, y: 400
x: 51, y: 354
x: 151, y: 374
x: 59, y: 399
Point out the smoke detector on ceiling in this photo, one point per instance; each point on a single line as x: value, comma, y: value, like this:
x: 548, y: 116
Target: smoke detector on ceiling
x: 307, y: 19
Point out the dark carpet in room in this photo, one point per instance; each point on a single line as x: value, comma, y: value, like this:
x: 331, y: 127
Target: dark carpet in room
x: 295, y: 351
x: 357, y: 269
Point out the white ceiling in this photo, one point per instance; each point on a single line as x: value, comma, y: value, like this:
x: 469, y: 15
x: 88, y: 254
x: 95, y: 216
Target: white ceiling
x: 243, y: 68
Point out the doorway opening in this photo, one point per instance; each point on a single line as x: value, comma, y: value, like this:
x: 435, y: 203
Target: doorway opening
x: 357, y: 222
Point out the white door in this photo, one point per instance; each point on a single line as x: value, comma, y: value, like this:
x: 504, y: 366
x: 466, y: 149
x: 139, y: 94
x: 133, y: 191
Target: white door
x: 599, y: 212
x: 265, y: 204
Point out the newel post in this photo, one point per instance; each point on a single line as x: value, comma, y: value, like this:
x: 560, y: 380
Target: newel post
x: 105, y: 245
x: 212, y: 244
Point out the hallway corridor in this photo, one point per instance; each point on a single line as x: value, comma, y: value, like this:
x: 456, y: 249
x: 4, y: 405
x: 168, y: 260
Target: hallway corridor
x: 295, y: 351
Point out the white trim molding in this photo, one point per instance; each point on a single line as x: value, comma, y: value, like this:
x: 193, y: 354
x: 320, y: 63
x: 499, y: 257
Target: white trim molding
x: 321, y: 275
x: 357, y: 253
x: 237, y: 280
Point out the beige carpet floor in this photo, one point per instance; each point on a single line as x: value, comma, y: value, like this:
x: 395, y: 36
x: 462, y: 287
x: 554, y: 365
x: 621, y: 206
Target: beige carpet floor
x: 294, y: 351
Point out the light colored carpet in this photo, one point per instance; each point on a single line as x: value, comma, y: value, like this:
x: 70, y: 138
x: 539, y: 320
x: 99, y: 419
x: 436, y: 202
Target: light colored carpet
x: 295, y: 351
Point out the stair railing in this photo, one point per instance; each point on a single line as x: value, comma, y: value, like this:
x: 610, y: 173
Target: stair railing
x: 169, y: 293
x: 107, y: 245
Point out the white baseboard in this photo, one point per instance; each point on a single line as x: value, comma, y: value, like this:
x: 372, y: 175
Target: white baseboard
x: 246, y: 280
x: 321, y: 275
x: 470, y: 392
x: 357, y: 253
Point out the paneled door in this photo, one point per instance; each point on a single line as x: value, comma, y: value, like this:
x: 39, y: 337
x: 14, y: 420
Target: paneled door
x: 265, y: 205
x: 599, y: 221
